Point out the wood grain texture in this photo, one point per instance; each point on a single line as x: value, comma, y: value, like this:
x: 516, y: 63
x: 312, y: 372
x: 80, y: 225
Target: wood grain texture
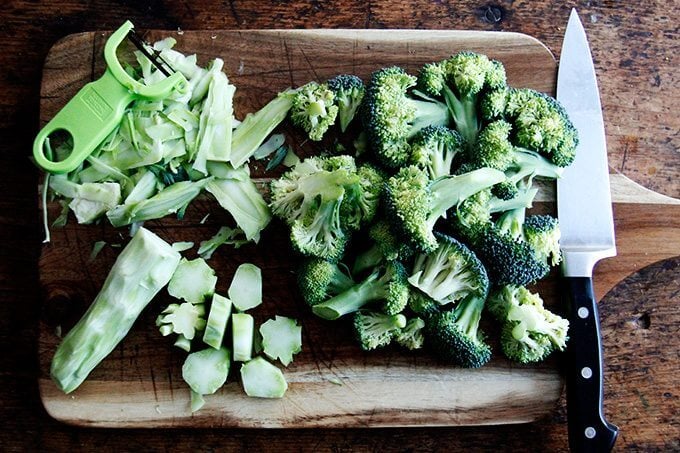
x: 635, y: 50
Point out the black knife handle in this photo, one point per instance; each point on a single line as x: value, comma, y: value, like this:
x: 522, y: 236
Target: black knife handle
x: 588, y: 429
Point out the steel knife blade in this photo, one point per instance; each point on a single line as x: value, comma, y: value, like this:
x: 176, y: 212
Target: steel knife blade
x: 586, y: 222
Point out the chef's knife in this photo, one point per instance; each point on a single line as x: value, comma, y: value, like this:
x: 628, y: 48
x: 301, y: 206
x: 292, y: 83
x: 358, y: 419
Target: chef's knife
x: 587, y: 226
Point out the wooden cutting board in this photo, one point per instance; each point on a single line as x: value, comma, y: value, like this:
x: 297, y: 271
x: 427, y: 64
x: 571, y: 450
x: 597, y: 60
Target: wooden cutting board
x: 331, y: 382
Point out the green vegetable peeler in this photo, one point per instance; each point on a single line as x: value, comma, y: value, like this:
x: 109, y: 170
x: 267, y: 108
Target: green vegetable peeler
x: 98, y: 107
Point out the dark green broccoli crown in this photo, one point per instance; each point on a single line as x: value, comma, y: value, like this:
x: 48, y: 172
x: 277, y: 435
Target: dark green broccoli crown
x: 349, y: 92
x: 451, y: 340
x: 450, y: 273
x: 411, y: 336
x: 375, y: 330
x: 434, y: 148
x: 542, y: 232
x: 505, y: 190
x: 493, y: 148
x: 360, y: 204
x: 528, y: 350
x: 319, y: 280
x: 508, y: 260
x: 396, y: 288
x: 391, y: 117
x: 314, y: 109
x: 422, y: 304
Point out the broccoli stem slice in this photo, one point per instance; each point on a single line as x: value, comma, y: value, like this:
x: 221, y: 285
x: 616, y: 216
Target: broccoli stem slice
x: 371, y: 289
x: 449, y: 191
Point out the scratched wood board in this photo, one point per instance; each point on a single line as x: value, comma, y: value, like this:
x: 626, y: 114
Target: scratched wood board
x: 332, y: 383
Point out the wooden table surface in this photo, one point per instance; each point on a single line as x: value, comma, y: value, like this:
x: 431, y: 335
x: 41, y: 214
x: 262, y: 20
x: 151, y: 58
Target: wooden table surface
x: 635, y: 48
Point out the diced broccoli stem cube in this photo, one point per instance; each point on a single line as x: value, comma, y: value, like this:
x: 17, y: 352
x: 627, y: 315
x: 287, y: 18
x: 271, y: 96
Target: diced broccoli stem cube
x: 243, y: 328
x: 220, y: 311
x: 245, y: 290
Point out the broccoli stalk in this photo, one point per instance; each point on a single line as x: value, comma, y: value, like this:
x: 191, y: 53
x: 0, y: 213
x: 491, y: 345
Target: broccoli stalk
x: 375, y: 330
x: 386, y: 283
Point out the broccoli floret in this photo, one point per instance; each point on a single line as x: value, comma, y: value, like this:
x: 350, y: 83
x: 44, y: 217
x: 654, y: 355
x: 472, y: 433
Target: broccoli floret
x: 450, y: 273
x: 415, y: 203
x: 539, y: 122
x: 542, y: 232
x: 508, y: 260
x: 314, y: 109
x: 529, y: 331
x: 386, y: 246
x: 505, y: 190
x: 361, y: 201
x: 434, y: 149
x: 455, y: 335
x: 461, y: 80
x: 391, y: 117
x: 422, y: 304
x: 309, y: 197
x: 319, y: 280
x: 375, y: 330
x: 349, y: 91
x: 387, y: 283
x: 411, y: 336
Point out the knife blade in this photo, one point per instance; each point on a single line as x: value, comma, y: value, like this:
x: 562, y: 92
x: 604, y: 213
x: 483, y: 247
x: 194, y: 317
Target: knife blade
x: 586, y: 223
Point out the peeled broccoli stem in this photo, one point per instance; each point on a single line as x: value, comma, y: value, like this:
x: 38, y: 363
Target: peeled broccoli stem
x: 464, y: 113
x: 374, y: 287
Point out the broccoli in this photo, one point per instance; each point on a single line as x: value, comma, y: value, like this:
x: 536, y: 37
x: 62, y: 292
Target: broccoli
x: 422, y: 304
x: 387, y: 283
x: 529, y: 331
x: 375, y: 330
x: 320, y: 280
x: 309, y: 197
x: 391, y: 116
x: 461, y: 80
x: 361, y: 201
x: 349, y: 91
x: 385, y: 246
x: 455, y: 335
x: 314, y: 109
x: 415, y: 203
x: 539, y: 121
x: 450, y: 273
x: 542, y: 232
x: 434, y: 149
x: 411, y: 336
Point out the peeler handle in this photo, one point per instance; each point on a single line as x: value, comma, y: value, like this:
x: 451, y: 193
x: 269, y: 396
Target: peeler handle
x: 89, y: 117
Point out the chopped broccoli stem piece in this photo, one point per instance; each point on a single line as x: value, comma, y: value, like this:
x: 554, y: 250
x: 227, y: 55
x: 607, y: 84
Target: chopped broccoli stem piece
x: 281, y: 338
x: 242, y: 328
x: 224, y: 235
x: 245, y: 290
x: 144, y: 266
x: 183, y: 343
x: 193, y: 281
x: 205, y: 372
x: 184, y: 319
x: 218, y: 317
x: 261, y: 379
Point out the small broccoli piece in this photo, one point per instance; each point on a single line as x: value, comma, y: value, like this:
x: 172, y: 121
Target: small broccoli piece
x: 391, y: 116
x: 387, y: 283
x: 529, y: 331
x: 183, y: 319
x: 542, y: 232
x: 450, y: 273
x: 309, y: 197
x: 349, y: 91
x: 508, y: 260
x: 319, y: 280
x: 455, y: 335
x: 422, y: 304
x: 461, y: 80
x: 360, y: 204
x: 205, y: 372
x: 261, y: 379
x: 505, y: 190
x: 193, y: 281
x: 281, y: 339
x: 245, y: 290
x: 411, y: 336
x: 414, y: 203
x: 375, y: 330
x: 386, y: 246
x: 314, y: 109
x: 434, y: 149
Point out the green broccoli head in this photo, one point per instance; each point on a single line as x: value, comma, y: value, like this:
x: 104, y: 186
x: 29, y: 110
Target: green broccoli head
x: 455, y: 335
x: 470, y: 72
x: 450, y: 273
x: 387, y: 284
x: 434, y: 148
x: 309, y: 197
x: 360, y: 204
x: 314, y: 109
x: 415, y: 203
x: 493, y: 148
x: 386, y: 246
x: 391, y: 117
x: 319, y: 280
x: 375, y: 330
x: 542, y: 232
x: 411, y: 336
x: 422, y: 304
x: 432, y: 78
x: 349, y: 91
x: 505, y: 190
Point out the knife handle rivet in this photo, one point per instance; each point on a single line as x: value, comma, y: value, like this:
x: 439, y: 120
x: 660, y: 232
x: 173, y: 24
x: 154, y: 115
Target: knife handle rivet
x: 583, y: 312
x: 590, y: 432
x: 586, y: 372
